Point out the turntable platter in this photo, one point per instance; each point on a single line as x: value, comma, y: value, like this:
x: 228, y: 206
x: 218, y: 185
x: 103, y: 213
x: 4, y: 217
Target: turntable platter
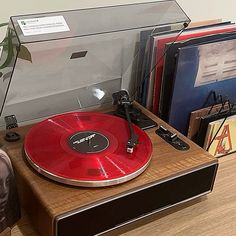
x: 86, y: 149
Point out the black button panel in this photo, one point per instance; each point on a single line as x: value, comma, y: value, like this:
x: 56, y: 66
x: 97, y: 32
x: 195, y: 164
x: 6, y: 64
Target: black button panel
x: 172, y: 138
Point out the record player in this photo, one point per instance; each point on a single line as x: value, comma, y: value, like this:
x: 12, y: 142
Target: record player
x: 83, y: 150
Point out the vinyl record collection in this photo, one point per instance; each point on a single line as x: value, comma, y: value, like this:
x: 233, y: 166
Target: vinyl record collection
x: 181, y: 71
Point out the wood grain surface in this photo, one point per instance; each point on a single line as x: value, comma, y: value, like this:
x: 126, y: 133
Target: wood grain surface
x: 212, y: 215
x: 44, y: 199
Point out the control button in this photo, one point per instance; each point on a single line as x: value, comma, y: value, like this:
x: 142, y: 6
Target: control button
x: 172, y: 138
x: 163, y: 129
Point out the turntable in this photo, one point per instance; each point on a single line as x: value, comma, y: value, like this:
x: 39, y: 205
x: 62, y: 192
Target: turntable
x: 79, y: 159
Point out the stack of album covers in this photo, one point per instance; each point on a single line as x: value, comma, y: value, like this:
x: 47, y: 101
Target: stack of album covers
x: 213, y: 128
x: 179, y: 71
x: 158, y: 52
x: 199, y: 70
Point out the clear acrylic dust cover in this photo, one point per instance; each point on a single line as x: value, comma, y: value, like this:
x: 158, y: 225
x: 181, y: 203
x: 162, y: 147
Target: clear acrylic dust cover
x: 56, y: 62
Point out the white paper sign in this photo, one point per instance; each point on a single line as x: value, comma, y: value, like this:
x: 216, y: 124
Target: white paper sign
x: 43, y: 25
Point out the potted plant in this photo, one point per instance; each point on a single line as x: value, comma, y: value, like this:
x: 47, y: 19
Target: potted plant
x: 9, y: 47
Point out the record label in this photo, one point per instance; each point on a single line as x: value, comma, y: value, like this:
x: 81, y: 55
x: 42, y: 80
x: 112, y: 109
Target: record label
x: 88, y: 142
x: 86, y: 149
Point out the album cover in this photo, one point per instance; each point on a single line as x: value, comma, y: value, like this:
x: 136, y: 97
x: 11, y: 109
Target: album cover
x: 162, y: 50
x: 170, y: 65
x: 220, y: 137
x: 151, y: 75
x: 9, y: 204
x: 144, y: 35
x: 152, y: 63
x: 145, y: 71
x: 195, y: 119
x: 144, y: 55
x: 201, y: 69
x: 205, y: 120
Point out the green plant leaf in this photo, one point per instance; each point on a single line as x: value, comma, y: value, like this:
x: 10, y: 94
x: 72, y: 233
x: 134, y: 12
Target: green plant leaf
x: 10, y: 53
x: 7, y: 44
x: 4, y: 42
x: 24, y: 53
x: 3, y: 24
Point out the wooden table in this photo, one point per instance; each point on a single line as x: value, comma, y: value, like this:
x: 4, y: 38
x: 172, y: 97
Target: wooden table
x: 214, y: 214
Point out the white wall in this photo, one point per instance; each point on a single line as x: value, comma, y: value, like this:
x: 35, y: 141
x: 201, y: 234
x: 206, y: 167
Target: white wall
x: 197, y: 10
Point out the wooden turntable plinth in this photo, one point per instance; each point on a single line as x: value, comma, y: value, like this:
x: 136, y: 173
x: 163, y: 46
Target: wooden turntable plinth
x: 172, y: 177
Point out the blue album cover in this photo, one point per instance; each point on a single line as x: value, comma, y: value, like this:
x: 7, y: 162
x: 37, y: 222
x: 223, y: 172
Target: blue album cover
x: 200, y: 70
x: 170, y: 65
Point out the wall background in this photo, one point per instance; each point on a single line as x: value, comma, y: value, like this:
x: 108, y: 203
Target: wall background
x: 197, y: 10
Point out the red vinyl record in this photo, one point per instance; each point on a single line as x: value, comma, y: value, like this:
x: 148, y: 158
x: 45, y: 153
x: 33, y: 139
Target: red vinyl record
x: 86, y: 149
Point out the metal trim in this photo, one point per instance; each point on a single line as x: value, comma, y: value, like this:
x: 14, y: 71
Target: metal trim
x: 81, y: 183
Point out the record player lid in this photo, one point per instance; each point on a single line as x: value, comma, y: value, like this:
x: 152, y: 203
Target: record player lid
x: 71, y: 60
x: 100, y: 20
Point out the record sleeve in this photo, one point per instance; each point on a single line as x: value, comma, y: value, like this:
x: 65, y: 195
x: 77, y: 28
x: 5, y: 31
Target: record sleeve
x: 170, y: 65
x: 144, y: 56
x: 220, y: 137
x: 195, y: 78
x: 161, y: 51
x: 205, y: 120
x: 195, y: 119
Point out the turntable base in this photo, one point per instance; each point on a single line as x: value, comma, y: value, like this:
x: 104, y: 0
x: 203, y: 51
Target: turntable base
x: 172, y: 177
